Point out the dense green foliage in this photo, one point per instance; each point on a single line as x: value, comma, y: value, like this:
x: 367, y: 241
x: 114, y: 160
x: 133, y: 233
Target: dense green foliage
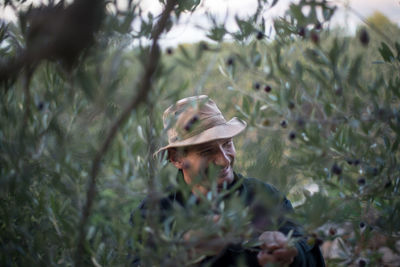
x: 322, y: 109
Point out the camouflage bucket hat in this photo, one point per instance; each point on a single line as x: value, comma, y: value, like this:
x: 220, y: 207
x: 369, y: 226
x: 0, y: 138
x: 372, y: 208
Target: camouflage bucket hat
x: 196, y: 120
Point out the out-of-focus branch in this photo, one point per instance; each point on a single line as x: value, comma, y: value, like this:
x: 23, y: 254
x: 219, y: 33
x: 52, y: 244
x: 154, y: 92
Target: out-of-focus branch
x: 144, y: 87
x: 56, y: 33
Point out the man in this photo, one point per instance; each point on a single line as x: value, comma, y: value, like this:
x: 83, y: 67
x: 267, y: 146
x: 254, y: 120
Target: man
x: 201, y: 148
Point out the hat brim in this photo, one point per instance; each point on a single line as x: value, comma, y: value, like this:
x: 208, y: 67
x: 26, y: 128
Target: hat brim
x: 227, y: 130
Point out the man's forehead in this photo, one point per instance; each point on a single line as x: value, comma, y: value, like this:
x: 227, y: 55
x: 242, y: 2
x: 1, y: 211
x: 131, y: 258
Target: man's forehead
x: 208, y: 144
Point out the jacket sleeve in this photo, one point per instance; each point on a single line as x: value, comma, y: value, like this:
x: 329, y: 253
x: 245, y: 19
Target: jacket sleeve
x: 138, y: 213
x: 308, y: 256
x: 137, y: 219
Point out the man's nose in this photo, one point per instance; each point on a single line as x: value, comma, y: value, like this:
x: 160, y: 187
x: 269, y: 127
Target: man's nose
x: 222, y: 158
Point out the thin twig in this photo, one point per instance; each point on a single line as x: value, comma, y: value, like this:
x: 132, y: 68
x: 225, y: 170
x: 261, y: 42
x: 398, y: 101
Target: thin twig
x: 141, y: 96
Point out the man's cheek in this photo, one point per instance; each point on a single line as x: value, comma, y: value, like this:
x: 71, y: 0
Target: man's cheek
x: 204, y: 167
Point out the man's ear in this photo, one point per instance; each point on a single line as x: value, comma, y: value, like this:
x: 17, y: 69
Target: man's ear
x: 174, y: 157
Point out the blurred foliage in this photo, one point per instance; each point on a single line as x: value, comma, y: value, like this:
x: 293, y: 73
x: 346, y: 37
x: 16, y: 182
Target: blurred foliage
x: 322, y: 109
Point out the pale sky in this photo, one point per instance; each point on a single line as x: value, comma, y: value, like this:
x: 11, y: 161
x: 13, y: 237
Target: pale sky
x: 188, y: 28
x: 187, y: 32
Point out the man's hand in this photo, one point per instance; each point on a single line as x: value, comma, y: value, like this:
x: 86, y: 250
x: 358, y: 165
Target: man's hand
x: 275, y: 249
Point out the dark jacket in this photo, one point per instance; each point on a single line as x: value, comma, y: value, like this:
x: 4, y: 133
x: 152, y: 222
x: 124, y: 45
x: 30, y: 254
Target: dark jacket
x: 263, y: 200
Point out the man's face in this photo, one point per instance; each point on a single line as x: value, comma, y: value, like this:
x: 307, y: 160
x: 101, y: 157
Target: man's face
x: 200, y: 162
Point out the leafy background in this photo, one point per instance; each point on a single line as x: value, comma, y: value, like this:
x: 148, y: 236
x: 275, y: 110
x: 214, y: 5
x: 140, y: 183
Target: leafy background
x: 323, y: 120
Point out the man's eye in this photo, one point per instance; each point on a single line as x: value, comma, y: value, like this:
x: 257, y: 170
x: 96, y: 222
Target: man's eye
x: 206, y: 152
